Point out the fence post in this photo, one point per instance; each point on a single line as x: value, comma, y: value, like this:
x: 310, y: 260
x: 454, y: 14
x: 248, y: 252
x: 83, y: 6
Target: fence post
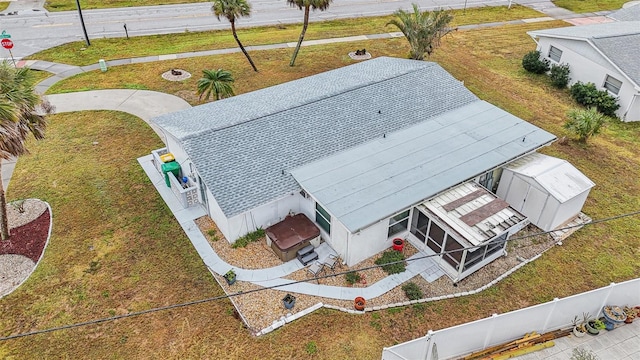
x: 606, y: 298
x: 546, y: 321
x: 427, y: 353
x: 489, y: 333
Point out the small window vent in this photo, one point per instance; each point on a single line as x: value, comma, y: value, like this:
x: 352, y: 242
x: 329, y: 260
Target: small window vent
x: 304, y: 194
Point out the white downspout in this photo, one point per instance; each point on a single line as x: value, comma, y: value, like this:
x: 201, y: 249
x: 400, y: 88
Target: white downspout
x: 635, y: 96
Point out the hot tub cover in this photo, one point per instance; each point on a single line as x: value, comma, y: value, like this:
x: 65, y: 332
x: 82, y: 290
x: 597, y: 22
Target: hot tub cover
x: 292, y: 231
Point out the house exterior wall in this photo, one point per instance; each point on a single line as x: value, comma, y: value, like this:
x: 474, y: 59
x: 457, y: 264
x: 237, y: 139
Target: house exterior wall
x: 263, y: 216
x: 588, y: 65
x: 368, y: 242
x: 216, y: 214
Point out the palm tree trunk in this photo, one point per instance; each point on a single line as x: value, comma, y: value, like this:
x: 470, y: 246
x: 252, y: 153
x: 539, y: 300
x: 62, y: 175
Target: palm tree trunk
x: 304, y: 30
x: 235, y: 36
x: 4, y: 220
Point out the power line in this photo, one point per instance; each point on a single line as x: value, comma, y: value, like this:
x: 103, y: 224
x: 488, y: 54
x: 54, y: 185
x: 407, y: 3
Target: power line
x: 226, y: 296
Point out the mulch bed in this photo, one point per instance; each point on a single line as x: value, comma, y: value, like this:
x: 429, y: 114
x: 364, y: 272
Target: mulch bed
x: 28, y: 240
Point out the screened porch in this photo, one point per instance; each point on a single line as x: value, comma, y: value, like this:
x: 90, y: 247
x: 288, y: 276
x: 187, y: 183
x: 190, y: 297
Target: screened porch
x: 467, y: 226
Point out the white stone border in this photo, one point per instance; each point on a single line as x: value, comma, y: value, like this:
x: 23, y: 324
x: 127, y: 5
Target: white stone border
x: 43, y: 249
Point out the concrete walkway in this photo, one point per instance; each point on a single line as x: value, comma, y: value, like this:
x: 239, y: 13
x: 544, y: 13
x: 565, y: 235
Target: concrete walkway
x: 144, y: 104
x: 622, y: 343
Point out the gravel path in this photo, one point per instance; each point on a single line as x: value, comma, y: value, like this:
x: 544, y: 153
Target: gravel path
x: 260, y: 309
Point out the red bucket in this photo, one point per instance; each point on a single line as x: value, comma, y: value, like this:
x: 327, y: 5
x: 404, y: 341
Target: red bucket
x: 398, y: 244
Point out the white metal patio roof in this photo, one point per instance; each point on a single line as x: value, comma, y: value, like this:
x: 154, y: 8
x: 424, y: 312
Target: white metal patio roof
x: 370, y: 182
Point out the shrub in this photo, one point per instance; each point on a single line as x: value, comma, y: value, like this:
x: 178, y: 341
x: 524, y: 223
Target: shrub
x: 585, y: 122
x: 211, y: 232
x: 249, y: 238
x: 352, y: 277
x: 395, y: 261
x: 559, y: 75
x: 588, y: 95
x: 412, y: 291
x: 532, y: 63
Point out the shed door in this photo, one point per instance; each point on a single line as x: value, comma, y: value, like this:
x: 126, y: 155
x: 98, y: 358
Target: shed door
x: 534, y: 204
x: 517, y: 193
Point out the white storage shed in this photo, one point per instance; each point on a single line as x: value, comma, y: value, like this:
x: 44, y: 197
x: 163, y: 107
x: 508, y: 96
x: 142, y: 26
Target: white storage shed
x: 548, y: 190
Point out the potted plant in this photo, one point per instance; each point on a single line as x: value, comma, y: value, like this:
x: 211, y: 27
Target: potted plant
x: 230, y: 276
x: 613, y: 315
x: 579, y: 329
x: 288, y: 301
x: 631, y: 312
x: 359, y: 303
x: 594, y: 326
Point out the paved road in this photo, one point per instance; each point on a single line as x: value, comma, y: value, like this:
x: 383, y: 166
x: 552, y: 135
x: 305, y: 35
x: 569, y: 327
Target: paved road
x: 33, y: 31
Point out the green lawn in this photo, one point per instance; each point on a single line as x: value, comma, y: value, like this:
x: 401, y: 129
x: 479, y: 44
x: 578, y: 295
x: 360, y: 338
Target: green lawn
x: 106, y: 211
x: 585, y: 6
x: 66, y: 5
x: 77, y: 53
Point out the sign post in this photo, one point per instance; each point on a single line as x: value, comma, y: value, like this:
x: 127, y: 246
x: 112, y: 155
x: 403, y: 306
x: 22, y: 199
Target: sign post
x: 7, y: 44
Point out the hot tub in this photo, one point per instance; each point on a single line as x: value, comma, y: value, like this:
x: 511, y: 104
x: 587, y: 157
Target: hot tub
x: 292, y: 234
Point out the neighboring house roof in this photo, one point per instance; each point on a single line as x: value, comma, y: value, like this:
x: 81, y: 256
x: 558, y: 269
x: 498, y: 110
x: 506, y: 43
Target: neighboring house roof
x: 245, y: 146
x: 377, y: 179
x: 629, y: 13
x: 619, y: 42
x: 558, y: 177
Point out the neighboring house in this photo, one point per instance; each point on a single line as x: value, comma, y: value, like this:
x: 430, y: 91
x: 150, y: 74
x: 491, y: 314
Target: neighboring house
x: 603, y: 54
x: 382, y: 149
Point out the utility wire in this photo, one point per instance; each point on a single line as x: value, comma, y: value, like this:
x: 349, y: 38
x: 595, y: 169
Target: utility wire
x: 227, y: 296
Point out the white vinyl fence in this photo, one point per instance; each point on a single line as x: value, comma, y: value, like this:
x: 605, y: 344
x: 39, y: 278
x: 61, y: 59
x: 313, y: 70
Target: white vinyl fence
x: 464, y: 339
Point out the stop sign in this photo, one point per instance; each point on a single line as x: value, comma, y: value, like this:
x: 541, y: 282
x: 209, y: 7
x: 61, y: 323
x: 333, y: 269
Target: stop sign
x: 6, y: 43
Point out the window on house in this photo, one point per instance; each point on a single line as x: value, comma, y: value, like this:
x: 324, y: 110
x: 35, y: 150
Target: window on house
x: 612, y: 84
x: 555, y: 54
x: 398, y: 223
x: 323, y: 218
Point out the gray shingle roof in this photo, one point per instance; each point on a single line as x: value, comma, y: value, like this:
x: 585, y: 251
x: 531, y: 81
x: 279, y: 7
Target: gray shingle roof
x: 377, y: 179
x: 618, y: 41
x: 630, y: 13
x: 241, y: 145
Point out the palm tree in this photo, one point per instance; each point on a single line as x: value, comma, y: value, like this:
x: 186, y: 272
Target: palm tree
x: 22, y: 112
x: 585, y: 122
x: 216, y: 82
x: 423, y: 30
x: 233, y: 9
x: 306, y: 5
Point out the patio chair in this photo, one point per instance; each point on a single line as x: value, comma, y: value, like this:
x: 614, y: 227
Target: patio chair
x: 332, y: 261
x: 315, y: 269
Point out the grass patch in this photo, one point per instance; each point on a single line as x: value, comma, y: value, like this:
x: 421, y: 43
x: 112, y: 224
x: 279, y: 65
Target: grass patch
x: 584, y: 6
x: 66, y: 5
x: 4, y: 5
x: 76, y: 53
